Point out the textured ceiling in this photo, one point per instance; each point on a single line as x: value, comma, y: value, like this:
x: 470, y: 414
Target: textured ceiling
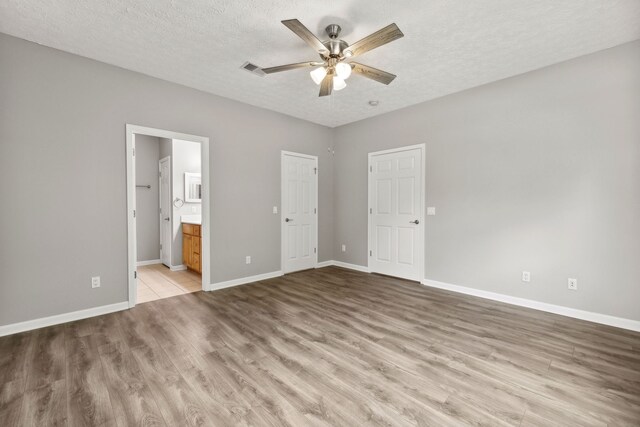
x: 448, y: 46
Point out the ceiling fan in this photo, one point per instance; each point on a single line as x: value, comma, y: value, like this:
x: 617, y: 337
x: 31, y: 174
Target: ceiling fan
x: 332, y: 71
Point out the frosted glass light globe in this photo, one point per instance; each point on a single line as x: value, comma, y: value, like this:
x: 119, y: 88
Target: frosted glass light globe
x: 343, y: 70
x: 338, y: 83
x: 318, y: 74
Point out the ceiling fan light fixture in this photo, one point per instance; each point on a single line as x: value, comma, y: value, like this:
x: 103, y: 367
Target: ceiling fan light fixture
x: 318, y: 75
x: 339, y: 83
x: 343, y: 70
x: 331, y: 73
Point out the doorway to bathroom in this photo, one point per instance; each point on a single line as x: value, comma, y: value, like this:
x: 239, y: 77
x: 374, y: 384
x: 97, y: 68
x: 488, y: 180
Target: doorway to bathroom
x: 167, y: 213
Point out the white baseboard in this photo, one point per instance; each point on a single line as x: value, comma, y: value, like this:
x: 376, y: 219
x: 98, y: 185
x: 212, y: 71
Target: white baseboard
x: 43, y: 322
x: 325, y: 264
x: 604, y: 319
x: 149, y: 262
x: 352, y: 266
x: 344, y: 265
x: 178, y: 267
x: 244, y: 280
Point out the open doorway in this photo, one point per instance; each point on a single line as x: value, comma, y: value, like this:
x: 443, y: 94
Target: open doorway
x: 168, y: 215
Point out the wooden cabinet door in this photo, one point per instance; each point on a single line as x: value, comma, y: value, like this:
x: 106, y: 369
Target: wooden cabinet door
x: 195, y: 242
x: 195, y: 258
x: 188, y: 229
x: 187, y: 250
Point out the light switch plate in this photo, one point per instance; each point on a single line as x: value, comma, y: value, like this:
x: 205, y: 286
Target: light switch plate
x: 431, y: 210
x: 275, y: 209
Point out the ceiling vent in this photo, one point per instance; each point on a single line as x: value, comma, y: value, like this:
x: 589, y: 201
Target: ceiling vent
x: 253, y: 69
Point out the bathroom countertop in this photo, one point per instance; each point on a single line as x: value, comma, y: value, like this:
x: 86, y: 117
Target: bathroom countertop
x: 191, y: 219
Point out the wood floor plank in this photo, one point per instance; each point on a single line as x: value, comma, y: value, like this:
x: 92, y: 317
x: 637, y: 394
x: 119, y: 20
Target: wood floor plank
x: 13, y: 363
x: 45, y: 405
x: 107, y: 330
x: 184, y: 309
x: 219, y: 398
x: 11, y: 400
x: 176, y: 401
x: 89, y: 403
x: 132, y: 400
x: 46, y: 357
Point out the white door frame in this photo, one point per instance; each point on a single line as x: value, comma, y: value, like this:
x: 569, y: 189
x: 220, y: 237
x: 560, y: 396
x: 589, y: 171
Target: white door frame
x: 282, y: 213
x: 160, y: 213
x: 131, y: 130
x: 422, y: 148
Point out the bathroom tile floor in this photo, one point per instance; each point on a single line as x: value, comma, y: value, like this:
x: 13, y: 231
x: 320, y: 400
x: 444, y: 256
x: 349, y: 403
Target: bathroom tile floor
x: 157, y: 281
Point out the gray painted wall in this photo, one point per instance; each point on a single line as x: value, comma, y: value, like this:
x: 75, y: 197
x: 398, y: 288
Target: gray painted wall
x: 147, y: 200
x: 62, y: 120
x: 186, y: 158
x: 539, y: 172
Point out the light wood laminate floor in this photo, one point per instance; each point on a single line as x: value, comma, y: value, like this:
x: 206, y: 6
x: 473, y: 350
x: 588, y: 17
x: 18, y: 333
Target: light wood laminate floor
x: 318, y: 348
x: 157, y: 281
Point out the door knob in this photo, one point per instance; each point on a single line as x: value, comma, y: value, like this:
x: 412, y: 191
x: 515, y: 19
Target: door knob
x: 288, y: 219
x: 416, y: 222
x: 167, y: 219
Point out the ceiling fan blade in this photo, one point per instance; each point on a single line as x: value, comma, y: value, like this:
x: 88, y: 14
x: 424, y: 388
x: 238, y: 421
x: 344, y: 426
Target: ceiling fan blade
x: 372, y: 41
x: 372, y: 73
x: 288, y: 67
x: 306, y: 35
x: 326, y: 86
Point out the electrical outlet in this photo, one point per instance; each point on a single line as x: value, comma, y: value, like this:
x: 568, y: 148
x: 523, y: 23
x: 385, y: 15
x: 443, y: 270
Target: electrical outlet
x: 247, y: 260
x: 275, y: 209
x: 526, y: 276
x: 572, y: 284
x: 95, y: 282
x: 344, y: 248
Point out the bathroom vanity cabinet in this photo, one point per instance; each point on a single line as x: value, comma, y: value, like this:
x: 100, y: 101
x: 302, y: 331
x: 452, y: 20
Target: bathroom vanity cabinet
x: 191, y: 244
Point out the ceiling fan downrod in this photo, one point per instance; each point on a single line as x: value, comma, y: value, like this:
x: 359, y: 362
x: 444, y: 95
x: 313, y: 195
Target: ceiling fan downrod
x: 333, y: 30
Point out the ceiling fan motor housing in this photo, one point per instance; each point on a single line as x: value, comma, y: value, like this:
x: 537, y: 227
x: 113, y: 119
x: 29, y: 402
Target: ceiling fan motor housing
x: 334, y: 45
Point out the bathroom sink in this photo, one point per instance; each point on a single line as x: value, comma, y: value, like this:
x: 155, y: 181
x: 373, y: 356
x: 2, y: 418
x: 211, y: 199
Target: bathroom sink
x: 191, y: 219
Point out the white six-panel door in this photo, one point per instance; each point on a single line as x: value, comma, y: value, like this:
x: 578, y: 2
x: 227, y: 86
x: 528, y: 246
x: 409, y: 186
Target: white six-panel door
x: 299, y: 211
x: 396, y: 225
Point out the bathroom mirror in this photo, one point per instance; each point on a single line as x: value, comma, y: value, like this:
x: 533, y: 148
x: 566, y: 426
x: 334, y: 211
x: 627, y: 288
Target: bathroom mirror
x: 192, y: 187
